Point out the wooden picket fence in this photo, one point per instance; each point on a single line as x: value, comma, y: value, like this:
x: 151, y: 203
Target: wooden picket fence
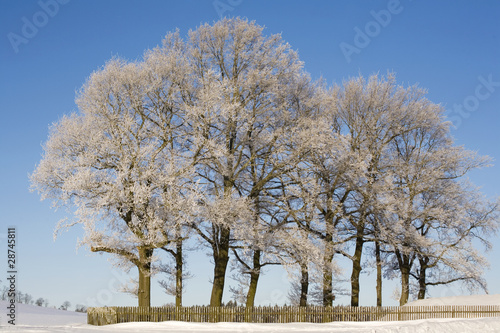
x: 284, y: 314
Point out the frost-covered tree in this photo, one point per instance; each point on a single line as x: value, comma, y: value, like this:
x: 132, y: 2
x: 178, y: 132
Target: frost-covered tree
x: 425, y: 213
x: 222, y: 135
x: 242, y: 103
x: 350, y: 178
x: 312, y: 244
x: 306, y: 195
x: 121, y: 163
x: 436, y: 216
x: 372, y: 114
x: 330, y: 169
x: 273, y: 229
x: 302, y: 257
x: 455, y: 258
x: 176, y: 273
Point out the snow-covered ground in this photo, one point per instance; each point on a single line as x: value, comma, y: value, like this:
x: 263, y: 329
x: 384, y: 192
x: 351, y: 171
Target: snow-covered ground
x: 39, y: 319
x: 36, y: 315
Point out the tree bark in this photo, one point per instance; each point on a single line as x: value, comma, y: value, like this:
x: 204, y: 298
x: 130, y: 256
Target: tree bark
x: 304, y: 284
x: 379, y: 273
x: 221, y: 258
x: 328, y: 255
x: 327, y: 273
x: 405, y: 263
x: 356, y: 268
x: 144, y: 292
x: 422, y: 283
x: 254, y: 279
x: 178, y: 273
x: 405, y: 285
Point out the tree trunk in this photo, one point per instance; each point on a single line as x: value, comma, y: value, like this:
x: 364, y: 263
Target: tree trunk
x: 405, y: 285
x: 327, y: 273
x: 422, y: 283
x: 254, y: 279
x: 328, y: 255
x: 255, y: 271
x: 144, y: 292
x: 379, y: 273
x: 356, y: 268
x: 178, y: 273
x: 405, y: 263
x: 221, y: 258
x: 304, y: 284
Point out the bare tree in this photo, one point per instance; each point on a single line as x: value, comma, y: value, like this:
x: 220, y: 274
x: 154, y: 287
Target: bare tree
x: 65, y: 306
x: 4, y: 294
x: 80, y: 308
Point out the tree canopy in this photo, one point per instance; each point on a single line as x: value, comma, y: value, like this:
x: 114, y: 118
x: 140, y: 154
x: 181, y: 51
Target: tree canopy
x: 222, y: 136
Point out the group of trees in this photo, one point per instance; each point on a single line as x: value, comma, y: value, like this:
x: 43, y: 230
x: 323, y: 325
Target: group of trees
x: 20, y: 297
x: 223, y: 137
x: 25, y: 298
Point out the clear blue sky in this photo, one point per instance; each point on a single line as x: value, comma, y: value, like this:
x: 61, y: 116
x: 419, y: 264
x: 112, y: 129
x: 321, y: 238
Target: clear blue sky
x: 452, y: 48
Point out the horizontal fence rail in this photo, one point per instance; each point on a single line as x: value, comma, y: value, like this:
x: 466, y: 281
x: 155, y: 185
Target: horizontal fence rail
x: 284, y: 314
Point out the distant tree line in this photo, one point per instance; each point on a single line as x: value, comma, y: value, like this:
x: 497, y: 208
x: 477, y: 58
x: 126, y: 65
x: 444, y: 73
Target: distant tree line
x: 224, y: 138
x: 25, y: 298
